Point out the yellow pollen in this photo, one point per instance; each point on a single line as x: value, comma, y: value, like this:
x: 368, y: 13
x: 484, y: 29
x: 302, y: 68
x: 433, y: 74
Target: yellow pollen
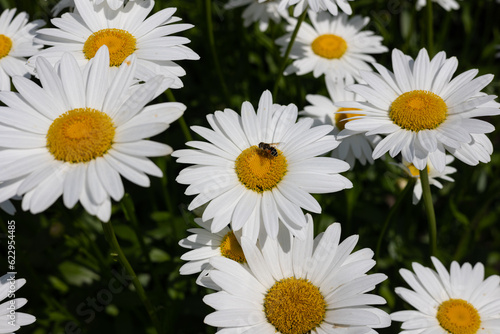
x: 414, y: 171
x: 231, y: 248
x: 80, y: 135
x: 5, y: 45
x: 418, y: 110
x: 342, y: 119
x: 120, y: 43
x: 260, y: 171
x: 457, y: 316
x: 294, y: 306
x: 329, y: 46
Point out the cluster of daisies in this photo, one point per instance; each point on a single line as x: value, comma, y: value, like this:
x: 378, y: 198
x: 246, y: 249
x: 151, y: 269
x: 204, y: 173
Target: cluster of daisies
x: 254, y: 175
x: 76, y: 114
x: 87, y: 124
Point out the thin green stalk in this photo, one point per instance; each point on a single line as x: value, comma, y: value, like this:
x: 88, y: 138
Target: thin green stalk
x: 430, y: 29
x: 165, y: 187
x: 129, y: 210
x: 393, y: 210
x: 409, y: 38
x: 115, y: 247
x: 210, y: 29
x: 182, y: 121
x: 185, y: 129
x: 287, y: 53
x: 52, y: 302
x: 429, y: 208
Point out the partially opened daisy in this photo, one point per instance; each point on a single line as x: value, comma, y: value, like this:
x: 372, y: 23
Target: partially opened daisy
x: 446, y: 4
x: 424, y: 112
x: 259, y: 169
x: 313, y: 285
x: 113, y: 4
x: 78, y: 133
x: 457, y: 302
x: 333, y: 44
x: 16, y: 44
x: 125, y: 31
x: 433, y: 175
x: 260, y: 12
x: 317, y: 6
x: 10, y: 319
x: 205, y: 245
x: 353, y: 145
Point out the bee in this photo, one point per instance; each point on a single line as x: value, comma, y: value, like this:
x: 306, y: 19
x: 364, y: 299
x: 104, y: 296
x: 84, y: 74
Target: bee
x: 269, y: 148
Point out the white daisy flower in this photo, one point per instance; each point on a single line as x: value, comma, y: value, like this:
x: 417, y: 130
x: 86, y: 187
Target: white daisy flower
x: 425, y: 113
x: 313, y: 285
x: 10, y: 319
x: 16, y: 43
x: 205, y: 245
x: 433, y: 173
x: 458, y: 302
x: 317, y: 6
x: 125, y: 32
x: 260, y: 168
x: 333, y: 44
x: 446, y: 4
x: 353, y: 145
x: 260, y: 12
x: 113, y: 4
x: 79, y: 132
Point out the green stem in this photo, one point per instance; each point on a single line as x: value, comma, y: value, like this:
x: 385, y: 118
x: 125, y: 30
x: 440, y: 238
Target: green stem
x: 165, y: 186
x: 115, y: 247
x: 129, y: 210
x: 393, y: 210
x: 430, y: 29
x: 409, y: 38
x: 182, y: 121
x: 210, y: 28
x: 287, y: 53
x: 429, y: 208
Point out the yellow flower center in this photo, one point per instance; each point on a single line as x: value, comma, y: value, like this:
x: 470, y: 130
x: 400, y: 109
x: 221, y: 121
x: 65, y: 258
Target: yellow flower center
x: 258, y: 170
x: 5, y: 45
x: 80, y: 135
x: 329, y: 46
x: 342, y: 119
x: 231, y: 248
x: 457, y: 316
x: 414, y: 171
x: 120, y: 43
x: 418, y: 110
x: 294, y: 306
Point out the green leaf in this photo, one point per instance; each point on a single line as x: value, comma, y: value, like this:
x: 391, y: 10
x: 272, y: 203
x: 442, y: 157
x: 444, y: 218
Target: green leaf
x: 157, y: 255
x: 58, y: 284
x: 457, y: 214
x: 76, y: 274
